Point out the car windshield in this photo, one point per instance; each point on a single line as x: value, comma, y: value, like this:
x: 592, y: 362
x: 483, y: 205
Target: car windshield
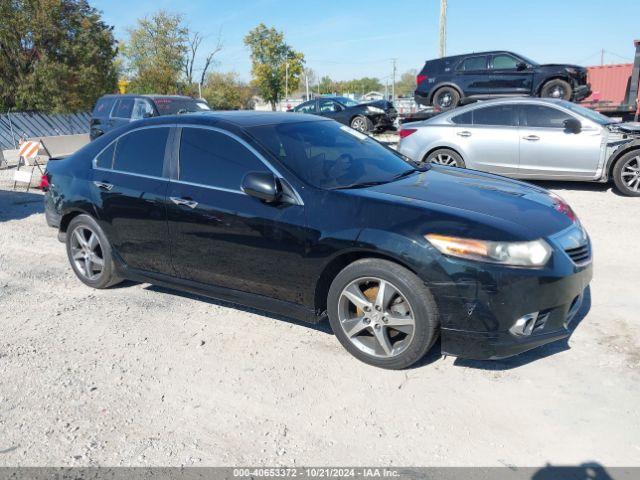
x: 347, y: 102
x: 588, y: 113
x: 328, y: 155
x: 529, y: 61
x: 172, y: 106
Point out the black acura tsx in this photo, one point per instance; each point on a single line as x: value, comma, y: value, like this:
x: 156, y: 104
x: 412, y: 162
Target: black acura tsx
x: 303, y: 217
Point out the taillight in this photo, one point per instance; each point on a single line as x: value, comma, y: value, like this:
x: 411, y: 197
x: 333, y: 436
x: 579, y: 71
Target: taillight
x: 405, y: 132
x: 44, y: 182
x: 420, y: 78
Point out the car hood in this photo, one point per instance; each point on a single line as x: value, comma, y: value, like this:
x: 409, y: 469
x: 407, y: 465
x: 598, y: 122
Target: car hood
x: 562, y: 65
x: 384, y: 104
x: 534, y: 210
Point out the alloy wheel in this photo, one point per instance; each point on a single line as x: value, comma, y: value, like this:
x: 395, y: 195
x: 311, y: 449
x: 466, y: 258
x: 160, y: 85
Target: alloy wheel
x: 86, y: 252
x: 445, y: 99
x: 557, y: 92
x: 359, y: 124
x: 376, y: 317
x: 444, y: 159
x: 631, y: 174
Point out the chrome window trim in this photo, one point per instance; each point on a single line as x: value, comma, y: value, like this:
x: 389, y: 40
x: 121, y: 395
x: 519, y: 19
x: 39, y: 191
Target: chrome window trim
x: 210, y: 187
x: 249, y: 147
x: 94, y: 162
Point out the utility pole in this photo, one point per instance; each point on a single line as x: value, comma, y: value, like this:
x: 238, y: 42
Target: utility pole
x: 393, y: 85
x: 443, y: 28
x: 602, y: 57
x: 306, y: 82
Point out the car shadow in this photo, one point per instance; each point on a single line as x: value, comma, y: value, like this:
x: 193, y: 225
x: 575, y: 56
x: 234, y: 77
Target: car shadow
x: 577, y: 186
x: 535, y: 354
x: 322, y: 326
x: 16, y: 204
x: 584, y: 471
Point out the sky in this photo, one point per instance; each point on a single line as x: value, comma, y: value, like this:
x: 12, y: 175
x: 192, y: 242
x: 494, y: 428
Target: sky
x: 348, y: 39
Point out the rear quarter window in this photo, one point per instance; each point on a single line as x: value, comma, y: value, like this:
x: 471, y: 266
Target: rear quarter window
x: 463, y: 119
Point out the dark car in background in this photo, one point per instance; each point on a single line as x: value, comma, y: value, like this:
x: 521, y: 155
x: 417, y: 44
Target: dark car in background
x: 449, y: 81
x: 112, y: 111
x: 373, y: 116
x: 301, y: 216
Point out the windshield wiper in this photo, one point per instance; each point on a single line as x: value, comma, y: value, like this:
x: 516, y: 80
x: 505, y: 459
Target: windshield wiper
x: 409, y: 172
x: 362, y: 185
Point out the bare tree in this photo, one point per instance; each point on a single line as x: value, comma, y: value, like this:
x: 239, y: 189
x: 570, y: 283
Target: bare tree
x: 193, y: 46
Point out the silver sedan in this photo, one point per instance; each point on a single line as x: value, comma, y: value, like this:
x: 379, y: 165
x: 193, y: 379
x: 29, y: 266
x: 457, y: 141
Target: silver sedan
x: 529, y: 138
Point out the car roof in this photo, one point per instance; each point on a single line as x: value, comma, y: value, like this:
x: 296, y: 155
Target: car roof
x: 473, y: 54
x: 148, y: 95
x: 238, y: 118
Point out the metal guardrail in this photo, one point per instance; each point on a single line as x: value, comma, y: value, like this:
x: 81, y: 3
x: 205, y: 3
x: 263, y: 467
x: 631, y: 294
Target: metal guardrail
x: 14, y: 126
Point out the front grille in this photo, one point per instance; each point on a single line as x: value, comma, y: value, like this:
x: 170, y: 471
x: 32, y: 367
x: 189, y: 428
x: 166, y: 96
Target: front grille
x: 580, y: 255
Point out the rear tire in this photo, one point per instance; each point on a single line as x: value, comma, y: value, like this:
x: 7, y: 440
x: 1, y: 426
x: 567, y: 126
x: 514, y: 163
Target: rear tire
x: 393, y: 329
x: 445, y: 156
x: 446, y: 98
x: 626, y: 174
x: 556, y: 88
x: 89, y: 253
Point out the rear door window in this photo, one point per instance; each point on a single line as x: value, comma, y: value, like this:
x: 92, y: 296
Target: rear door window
x: 500, y: 115
x: 142, y: 152
x: 123, y: 108
x: 212, y: 158
x: 472, y: 64
x: 543, y: 117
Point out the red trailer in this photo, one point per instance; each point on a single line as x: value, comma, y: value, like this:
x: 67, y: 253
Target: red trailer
x: 615, y: 88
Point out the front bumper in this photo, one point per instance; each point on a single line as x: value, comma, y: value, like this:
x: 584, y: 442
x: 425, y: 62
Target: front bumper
x: 581, y: 92
x: 383, y: 121
x: 480, y: 303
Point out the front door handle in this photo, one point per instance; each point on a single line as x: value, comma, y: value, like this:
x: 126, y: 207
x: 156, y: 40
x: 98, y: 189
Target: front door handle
x: 464, y: 133
x: 531, y: 138
x: 103, y: 185
x: 184, y: 201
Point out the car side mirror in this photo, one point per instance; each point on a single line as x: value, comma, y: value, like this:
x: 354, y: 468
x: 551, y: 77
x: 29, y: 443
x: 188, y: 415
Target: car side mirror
x: 521, y: 66
x: 262, y: 185
x: 572, y: 125
x: 147, y: 115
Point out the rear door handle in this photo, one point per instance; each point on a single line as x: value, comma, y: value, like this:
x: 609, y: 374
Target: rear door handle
x: 531, y: 138
x: 464, y: 133
x: 184, y: 201
x: 103, y: 185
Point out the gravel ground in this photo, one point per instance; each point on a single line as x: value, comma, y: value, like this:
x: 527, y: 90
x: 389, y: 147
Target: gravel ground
x: 138, y: 375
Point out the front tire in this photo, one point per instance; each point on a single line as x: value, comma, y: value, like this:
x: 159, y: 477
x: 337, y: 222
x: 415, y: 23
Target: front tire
x: 382, y: 313
x: 89, y: 253
x: 557, y: 89
x: 626, y: 174
x: 445, y: 156
x: 362, y: 124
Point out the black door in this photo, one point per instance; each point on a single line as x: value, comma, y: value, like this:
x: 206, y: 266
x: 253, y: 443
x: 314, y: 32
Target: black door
x: 473, y: 76
x: 130, y: 187
x: 507, y: 77
x: 221, y: 236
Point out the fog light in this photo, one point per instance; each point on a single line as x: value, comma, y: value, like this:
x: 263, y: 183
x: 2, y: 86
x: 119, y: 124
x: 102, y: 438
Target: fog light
x: 524, y: 325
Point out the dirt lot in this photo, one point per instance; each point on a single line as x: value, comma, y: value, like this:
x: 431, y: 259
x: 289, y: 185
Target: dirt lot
x: 138, y: 375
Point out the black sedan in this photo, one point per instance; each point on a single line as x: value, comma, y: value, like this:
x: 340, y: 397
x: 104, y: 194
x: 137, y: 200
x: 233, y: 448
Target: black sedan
x: 374, y: 116
x: 303, y: 217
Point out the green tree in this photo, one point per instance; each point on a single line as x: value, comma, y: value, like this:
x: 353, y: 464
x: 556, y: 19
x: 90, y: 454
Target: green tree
x: 155, y: 54
x: 407, y: 83
x: 224, y: 91
x: 55, y: 55
x: 271, y: 59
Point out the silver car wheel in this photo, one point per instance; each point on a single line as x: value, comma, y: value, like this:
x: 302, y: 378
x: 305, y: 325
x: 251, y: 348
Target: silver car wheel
x: 443, y: 159
x: 376, y: 317
x: 359, y: 124
x: 557, y: 92
x: 87, y: 253
x: 631, y: 174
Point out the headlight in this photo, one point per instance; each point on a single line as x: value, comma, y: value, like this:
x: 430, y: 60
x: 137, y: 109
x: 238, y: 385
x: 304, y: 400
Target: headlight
x: 522, y: 254
x: 375, y: 109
